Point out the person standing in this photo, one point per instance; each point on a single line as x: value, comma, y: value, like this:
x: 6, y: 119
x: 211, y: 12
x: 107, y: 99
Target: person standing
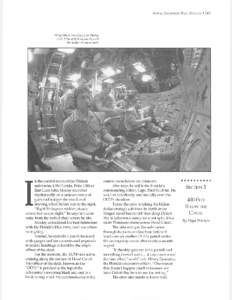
x: 84, y: 134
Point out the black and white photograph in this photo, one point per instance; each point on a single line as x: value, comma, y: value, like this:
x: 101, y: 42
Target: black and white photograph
x: 119, y: 109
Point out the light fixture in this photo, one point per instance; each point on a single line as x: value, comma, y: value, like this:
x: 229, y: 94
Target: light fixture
x: 109, y: 80
x: 66, y: 50
x: 172, y: 66
x: 139, y: 67
x: 53, y: 79
x: 75, y: 84
x: 118, y: 71
x: 121, y: 86
x: 108, y: 71
x: 30, y: 56
x: 146, y: 78
x: 98, y: 87
x: 68, y: 92
x: 83, y: 64
x: 75, y: 77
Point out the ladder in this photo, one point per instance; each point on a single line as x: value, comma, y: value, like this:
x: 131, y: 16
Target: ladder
x: 50, y: 98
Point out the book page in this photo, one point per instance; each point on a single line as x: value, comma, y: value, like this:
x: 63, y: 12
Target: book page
x: 115, y: 150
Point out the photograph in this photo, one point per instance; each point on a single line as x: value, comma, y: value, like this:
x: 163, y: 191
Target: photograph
x: 119, y: 109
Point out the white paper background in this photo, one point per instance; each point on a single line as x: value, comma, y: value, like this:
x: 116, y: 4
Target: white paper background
x: 202, y: 268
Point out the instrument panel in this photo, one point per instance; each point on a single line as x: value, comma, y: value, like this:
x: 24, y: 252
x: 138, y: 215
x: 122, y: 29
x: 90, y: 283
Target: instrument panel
x: 156, y: 154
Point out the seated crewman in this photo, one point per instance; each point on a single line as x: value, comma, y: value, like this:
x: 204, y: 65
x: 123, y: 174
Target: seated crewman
x: 104, y: 102
x: 84, y: 133
x: 133, y: 124
x: 138, y: 126
x: 133, y: 119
